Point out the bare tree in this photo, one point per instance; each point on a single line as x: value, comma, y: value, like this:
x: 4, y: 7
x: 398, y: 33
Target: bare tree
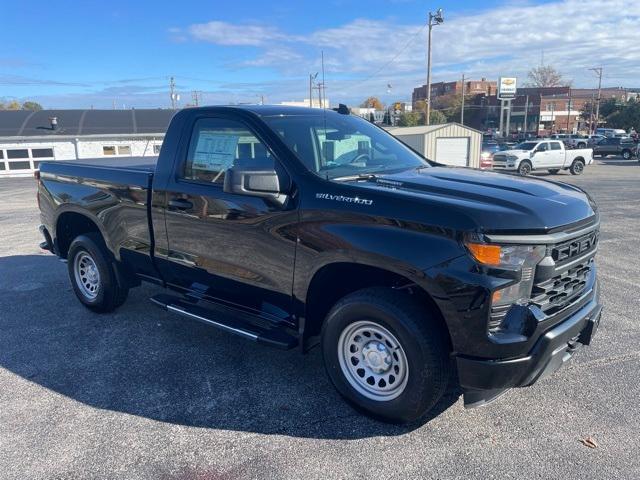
x: 546, y: 76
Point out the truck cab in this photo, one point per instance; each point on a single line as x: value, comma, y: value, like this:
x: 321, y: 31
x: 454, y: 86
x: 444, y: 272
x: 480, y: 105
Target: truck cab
x: 546, y: 154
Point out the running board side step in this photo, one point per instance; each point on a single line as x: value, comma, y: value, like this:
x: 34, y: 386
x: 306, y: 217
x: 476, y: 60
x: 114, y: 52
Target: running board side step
x: 239, y: 323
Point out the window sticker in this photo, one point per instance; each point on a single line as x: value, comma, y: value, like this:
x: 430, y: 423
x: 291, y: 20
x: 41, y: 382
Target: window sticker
x: 215, y: 151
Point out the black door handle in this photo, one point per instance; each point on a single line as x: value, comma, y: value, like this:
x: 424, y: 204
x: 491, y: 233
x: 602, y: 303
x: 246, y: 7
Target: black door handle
x: 180, y: 204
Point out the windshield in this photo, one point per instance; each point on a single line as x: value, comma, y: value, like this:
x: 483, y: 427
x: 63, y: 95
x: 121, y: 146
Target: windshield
x: 526, y: 146
x: 490, y: 147
x: 335, y: 145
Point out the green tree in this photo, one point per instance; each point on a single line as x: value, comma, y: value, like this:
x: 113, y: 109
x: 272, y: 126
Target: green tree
x: 436, y: 117
x: 13, y: 105
x: 410, y: 119
x: 34, y: 106
x: 626, y: 116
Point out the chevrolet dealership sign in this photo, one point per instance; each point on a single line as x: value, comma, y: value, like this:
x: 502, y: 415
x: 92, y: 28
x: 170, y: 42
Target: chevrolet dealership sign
x: 507, y: 88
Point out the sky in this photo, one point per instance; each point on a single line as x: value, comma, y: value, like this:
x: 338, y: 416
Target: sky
x: 82, y: 54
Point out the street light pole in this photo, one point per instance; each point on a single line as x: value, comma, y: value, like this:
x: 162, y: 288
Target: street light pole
x: 434, y: 19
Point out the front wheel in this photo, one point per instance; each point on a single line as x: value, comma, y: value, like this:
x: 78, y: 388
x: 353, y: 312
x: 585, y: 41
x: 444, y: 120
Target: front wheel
x: 626, y: 154
x: 93, y: 276
x: 524, y: 168
x: 386, y: 354
x: 577, y: 167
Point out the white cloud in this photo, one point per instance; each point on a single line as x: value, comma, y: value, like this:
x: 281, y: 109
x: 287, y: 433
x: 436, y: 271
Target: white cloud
x: 573, y: 34
x: 223, y: 33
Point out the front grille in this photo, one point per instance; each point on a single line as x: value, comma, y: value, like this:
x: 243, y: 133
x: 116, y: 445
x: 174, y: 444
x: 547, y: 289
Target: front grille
x: 556, y: 293
x: 565, y: 252
x: 499, y: 160
x: 560, y: 291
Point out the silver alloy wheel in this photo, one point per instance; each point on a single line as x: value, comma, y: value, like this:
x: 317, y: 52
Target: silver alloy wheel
x: 524, y: 169
x: 87, y: 275
x: 373, y: 361
x: 578, y: 167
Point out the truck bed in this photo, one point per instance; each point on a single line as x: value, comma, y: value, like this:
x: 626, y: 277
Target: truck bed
x: 131, y: 171
x: 114, y: 194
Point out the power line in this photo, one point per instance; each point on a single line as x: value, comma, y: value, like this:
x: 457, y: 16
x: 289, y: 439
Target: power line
x: 395, y: 57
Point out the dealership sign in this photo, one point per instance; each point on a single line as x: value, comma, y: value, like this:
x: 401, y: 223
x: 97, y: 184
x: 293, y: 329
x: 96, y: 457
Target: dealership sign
x: 507, y: 88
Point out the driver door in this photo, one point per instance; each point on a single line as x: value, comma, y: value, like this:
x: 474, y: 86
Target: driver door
x: 541, y: 157
x: 229, y: 248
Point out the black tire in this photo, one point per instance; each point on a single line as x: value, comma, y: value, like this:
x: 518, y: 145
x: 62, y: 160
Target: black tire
x: 577, y: 167
x: 626, y: 154
x: 423, y: 341
x: 109, y: 294
x: 582, y: 145
x: 525, y: 168
x: 553, y: 171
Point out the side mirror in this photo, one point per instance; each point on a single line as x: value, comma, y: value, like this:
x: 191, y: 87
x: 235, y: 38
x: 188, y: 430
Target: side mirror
x: 255, y: 183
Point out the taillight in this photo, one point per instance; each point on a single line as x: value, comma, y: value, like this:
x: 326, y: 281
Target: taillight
x: 36, y: 175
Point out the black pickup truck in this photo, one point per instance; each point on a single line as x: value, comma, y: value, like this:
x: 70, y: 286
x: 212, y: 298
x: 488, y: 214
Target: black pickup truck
x: 297, y: 227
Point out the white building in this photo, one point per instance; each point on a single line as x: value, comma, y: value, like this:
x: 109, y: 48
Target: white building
x: 27, y: 138
x: 315, y: 103
x: 447, y: 143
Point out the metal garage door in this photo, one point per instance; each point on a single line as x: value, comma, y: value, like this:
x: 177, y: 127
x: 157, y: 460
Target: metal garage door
x: 453, y: 151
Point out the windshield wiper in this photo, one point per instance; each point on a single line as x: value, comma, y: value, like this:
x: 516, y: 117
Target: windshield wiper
x: 360, y: 176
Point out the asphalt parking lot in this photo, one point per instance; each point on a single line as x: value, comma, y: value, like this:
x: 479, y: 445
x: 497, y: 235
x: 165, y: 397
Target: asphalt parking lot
x: 143, y: 394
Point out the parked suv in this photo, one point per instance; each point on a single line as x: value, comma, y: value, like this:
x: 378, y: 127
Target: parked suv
x: 624, y: 147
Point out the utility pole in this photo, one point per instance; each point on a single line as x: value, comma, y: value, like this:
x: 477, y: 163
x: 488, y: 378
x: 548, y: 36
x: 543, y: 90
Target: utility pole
x: 172, y: 88
x: 526, y: 115
x: 195, y: 97
x: 591, y: 114
x: 598, y: 70
x: 434, y: 19
x: 310, y: 91
x: 569, y: 111
x: 462, y: 107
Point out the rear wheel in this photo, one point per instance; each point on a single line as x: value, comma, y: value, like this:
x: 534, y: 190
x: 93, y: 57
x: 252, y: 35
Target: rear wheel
x: 386, y: 354
x: 92, y: 274
x: 577, y: 167
x: 582, y: 145
x: 554, y: 171
x: 524, y: 168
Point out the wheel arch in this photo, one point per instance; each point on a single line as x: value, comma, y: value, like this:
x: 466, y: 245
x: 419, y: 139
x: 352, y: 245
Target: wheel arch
x: 334, y: 281
x: 70, y: 224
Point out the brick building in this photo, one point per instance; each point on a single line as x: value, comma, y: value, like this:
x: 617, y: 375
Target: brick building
x: 471, y: 87
x: 545, y: 110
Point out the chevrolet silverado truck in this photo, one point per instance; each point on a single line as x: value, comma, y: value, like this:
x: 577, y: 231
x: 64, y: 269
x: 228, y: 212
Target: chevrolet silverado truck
x: 550, y: 155
x: 296, y: 227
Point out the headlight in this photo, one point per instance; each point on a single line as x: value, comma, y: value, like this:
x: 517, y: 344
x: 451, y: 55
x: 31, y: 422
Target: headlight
x: 512, y: 158
x: 520, y: 257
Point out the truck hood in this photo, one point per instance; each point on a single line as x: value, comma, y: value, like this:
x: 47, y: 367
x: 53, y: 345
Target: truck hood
x: 488, y: 201
x: 517, y: 153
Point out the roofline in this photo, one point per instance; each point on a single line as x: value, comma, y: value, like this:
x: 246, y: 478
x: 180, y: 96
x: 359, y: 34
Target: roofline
x: 436, y: 127
x: 106, y: 136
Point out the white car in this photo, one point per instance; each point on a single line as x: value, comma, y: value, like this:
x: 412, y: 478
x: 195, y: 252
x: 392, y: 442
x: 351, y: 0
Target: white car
x: 543, y: 155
